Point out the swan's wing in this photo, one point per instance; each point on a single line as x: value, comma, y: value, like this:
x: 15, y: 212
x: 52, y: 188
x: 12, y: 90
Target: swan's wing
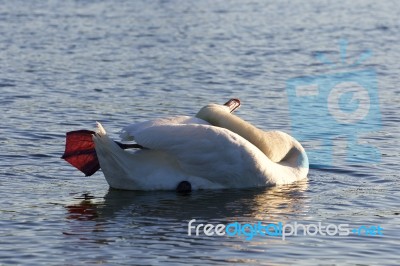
x: 128, y: 132
x: 214, y: 153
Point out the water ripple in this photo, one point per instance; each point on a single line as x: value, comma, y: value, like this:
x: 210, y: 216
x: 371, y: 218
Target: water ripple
x: 67, y: 64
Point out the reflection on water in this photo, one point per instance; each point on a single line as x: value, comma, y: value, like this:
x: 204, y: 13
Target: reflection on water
x: 138, y: 222
x: 137, y: 207
x: 152, y: 226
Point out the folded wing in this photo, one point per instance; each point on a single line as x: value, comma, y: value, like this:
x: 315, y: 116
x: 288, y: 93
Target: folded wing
x: 210, y: 152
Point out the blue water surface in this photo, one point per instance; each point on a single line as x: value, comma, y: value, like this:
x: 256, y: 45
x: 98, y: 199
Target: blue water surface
x: 66, y: 64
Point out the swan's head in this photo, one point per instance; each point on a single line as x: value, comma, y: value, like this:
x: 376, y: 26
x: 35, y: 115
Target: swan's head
x: 211, y: 112
x: 275, y: 145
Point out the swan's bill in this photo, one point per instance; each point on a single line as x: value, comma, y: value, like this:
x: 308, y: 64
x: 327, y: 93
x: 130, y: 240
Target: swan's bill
x: 233, y: 104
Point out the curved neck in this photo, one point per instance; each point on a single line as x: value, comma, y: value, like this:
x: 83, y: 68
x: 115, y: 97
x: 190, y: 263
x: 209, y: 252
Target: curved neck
x: 276, y: 145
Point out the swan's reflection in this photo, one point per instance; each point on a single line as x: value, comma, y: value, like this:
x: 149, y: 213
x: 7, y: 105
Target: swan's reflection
x: 274, y: 203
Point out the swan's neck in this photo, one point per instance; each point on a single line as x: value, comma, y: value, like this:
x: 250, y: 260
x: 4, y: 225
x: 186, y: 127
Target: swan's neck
x: 276, y: 145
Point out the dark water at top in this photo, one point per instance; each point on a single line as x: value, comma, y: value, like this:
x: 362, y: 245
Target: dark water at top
x: 66, y: 64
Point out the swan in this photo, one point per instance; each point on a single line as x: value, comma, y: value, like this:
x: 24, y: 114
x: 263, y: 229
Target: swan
x: 213, y: 150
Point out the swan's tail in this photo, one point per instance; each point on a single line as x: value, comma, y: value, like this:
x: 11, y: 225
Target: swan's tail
x: 100, y: 129
x: 116, y: 163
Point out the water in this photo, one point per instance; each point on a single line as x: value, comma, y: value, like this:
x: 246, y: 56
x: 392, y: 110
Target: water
x: 67, y: 64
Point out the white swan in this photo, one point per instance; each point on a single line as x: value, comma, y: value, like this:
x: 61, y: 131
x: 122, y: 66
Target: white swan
x: 213, y: 150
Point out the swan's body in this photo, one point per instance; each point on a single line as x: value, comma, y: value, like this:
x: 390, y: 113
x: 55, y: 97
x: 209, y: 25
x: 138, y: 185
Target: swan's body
x: 213, y: 150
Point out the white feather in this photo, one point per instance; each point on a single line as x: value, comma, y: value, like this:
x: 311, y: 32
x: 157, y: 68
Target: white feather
x: 188, y: 149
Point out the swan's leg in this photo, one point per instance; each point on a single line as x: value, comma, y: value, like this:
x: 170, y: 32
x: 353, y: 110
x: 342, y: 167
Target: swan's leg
x: 80, y: 151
